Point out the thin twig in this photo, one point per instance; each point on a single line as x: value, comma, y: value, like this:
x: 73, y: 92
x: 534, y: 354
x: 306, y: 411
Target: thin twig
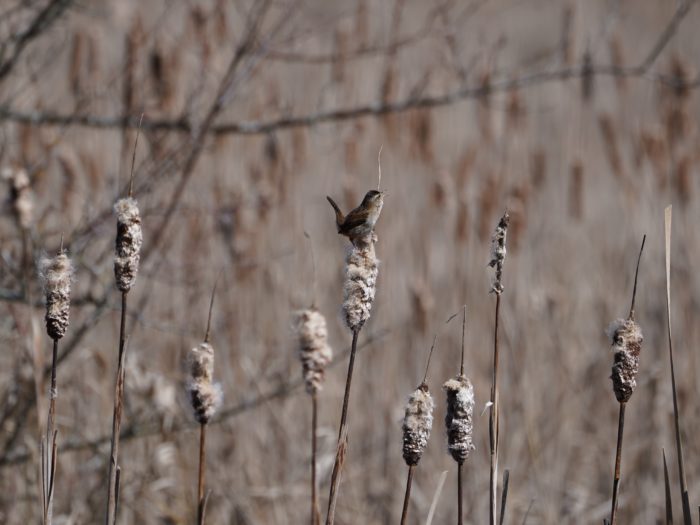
x: 315, y: 514
x: 636, y: 274
x: 687, y: 520
x: 667, y: 492
x: 504, y: 496
x: 464, y: 325
x: 460, y: 512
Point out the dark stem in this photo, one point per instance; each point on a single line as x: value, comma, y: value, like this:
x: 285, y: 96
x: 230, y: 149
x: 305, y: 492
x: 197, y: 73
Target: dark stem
x: 667, y: 492
x: 133, y: 157
x: 493, y: 420
x: 459, y: 494
x: 504, y: 496
x: 407, y: 496
x: 116, y: 419
x: 51, y: 437
x: 636, y: 274
x: 464, y: 324
x: 427, y: 365
x: 315, y: 518
x: 211, y: 309
x: 200, y: 478
x: 117, y: 487
x: 342, y: 431
x: 618, y: 461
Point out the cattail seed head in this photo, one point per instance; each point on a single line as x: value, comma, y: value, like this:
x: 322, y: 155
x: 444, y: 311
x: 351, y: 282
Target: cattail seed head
x: 205, y: 395
x: 459, y: 417
x: 417, y: 423
x: 498, y: 252
x: 56, y: 274
x: 361, y: 271
x: 314, y: 351
x: 128, y: 244
x: 627, y: 340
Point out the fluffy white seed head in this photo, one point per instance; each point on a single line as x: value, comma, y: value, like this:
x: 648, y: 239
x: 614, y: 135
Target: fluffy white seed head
x: 627, y: 340
x: 205, y: 395
x: 417, y: 424
x: 459, y: 417
x: 57, y: 274
x: 361, y: 271
x: 128, y: 243
x: 314, y: 351
x: 20, y: 195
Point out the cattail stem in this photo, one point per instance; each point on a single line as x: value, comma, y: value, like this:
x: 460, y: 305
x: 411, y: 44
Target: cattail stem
x: 315, y: 518
x: 51, y: 439
x: 618, y: 461
x: 116, y: 419
x: 342, y: 431
x: 407, y: 496
x: 200, y: 479
x: 460, y: 512
x: 493, y: 420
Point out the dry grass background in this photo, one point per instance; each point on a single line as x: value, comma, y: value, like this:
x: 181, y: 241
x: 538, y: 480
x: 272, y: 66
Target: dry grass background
x: 583, y: 179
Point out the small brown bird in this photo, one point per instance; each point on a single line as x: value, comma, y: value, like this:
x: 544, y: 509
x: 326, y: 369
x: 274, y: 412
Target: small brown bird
x: 360, y: 221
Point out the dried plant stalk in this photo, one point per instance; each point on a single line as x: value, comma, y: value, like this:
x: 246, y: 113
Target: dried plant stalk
x: 56, y: 274
x: 498, y: 255
x: 315, y: 354
x: 627, y: 343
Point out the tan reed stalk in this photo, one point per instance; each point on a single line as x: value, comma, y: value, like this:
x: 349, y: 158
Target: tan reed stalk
x: 361, y: 271
x: 498, y: 256
x: 687, y: 520
x: 126, y: 266
x: 56, y: 274
x: 205, y: 396
x: 417, y: 424
x: 315, y: 354
x: 459, y: 419
x: 627, y: 343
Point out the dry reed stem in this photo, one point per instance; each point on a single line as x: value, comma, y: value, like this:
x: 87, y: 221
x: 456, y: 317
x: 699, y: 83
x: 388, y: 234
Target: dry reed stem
x: 200, y: 477
x: 315, y: 513
x: 667, y: 492
x: 504, y: 496
x: 498, y: 254
x: 627, y: 342
x: 407, y: 495
x: 337, y: 474
x: 687, y: 520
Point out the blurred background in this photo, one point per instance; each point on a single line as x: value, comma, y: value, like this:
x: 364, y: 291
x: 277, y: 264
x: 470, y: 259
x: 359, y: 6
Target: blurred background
x: 579, y: 117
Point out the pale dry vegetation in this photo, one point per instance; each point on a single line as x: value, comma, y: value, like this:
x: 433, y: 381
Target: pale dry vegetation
x: 579, y: 118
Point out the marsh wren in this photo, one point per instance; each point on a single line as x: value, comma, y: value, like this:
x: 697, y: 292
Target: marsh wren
x: 360, y: 221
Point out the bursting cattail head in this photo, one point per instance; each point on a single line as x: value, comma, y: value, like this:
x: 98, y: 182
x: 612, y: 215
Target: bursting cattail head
x: 417, y: 423
x: 314, y: 351
x: 498, y: 252
x: 459, y: 417
x: 361, y: 271
x: 128, y: 244
x: 627, y: 343
x: 205, y: 395
x: 57, y: 273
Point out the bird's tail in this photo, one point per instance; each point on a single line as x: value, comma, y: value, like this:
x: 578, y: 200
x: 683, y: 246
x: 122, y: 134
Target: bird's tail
x: 339, y: 217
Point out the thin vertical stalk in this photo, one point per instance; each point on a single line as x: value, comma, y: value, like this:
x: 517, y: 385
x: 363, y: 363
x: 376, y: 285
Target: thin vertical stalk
x: 200, y: 478
x: 687, y: 520
x: 618, y: 461
x: 342, y: 434
x: 116, y: 419
x: 493, y: 421
x: 460, y: 512
x: 407, y: 495
x: 315, y: 518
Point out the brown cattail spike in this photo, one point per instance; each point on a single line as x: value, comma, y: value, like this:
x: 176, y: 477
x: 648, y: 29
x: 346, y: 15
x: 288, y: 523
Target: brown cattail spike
x: 314, y: 351
x: 627, y: 343
x: 57, y: 273
x: 128, y: 244
x: 417, y: 423
x: 361, y: 271
x: 459, y: 417
x: 205, y: 395
x: 498, y: 252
